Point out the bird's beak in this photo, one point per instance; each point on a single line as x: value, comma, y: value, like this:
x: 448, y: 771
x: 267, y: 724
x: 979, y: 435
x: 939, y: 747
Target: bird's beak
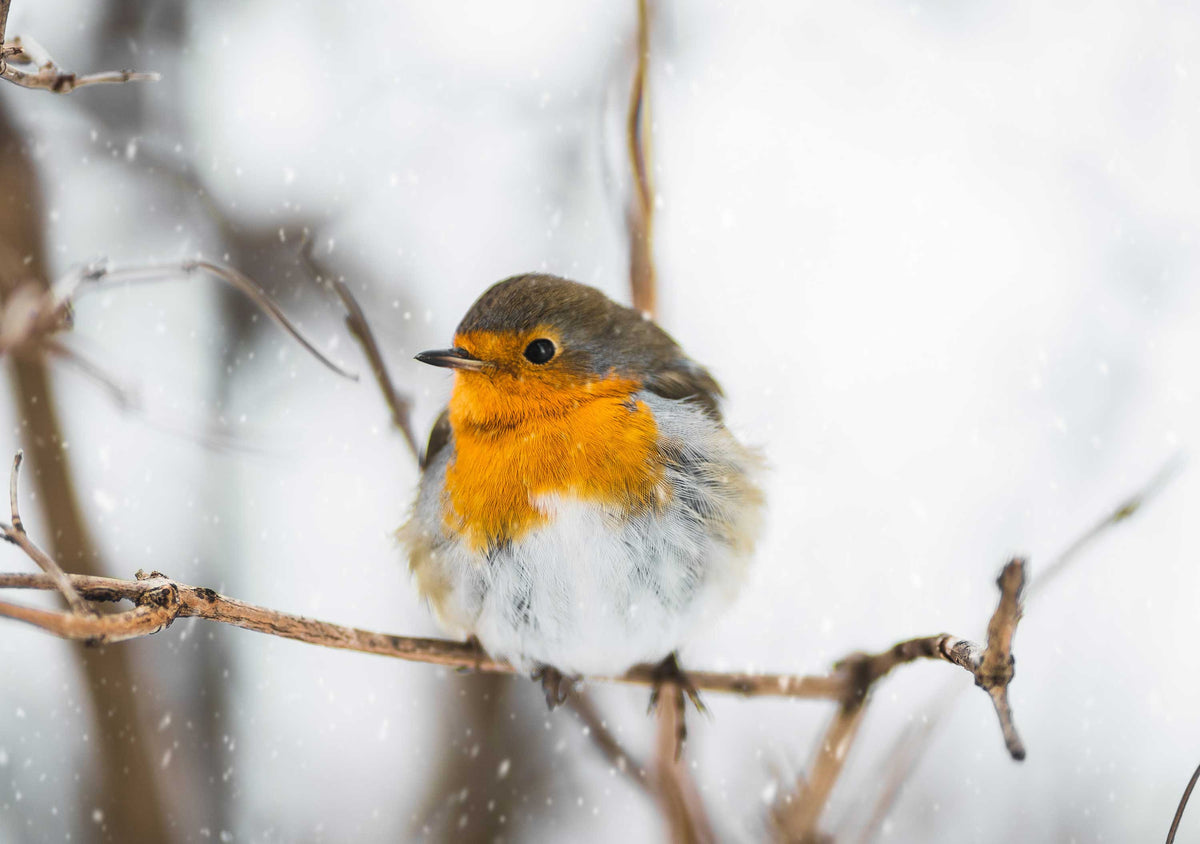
x: 452, y: 358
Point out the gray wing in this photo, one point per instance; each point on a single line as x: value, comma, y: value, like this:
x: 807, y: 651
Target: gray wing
x: 438, y: 438
x: 683, y: 380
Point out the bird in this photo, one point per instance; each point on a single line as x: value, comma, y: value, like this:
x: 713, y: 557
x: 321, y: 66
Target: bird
x: 582, y: 507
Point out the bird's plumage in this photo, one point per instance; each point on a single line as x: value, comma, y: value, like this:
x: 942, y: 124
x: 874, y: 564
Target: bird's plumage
x: 588, y: 513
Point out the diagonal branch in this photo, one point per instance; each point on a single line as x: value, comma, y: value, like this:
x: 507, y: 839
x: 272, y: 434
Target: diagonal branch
x: 399, y: 405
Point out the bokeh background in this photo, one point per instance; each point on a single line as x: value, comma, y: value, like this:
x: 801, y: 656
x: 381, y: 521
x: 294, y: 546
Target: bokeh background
x: 942, y: 256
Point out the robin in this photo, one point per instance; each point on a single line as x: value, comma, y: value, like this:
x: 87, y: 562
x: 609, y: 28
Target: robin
x: 582, y: 507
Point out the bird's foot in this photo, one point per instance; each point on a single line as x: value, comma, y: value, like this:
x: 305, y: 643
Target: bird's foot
x: 555, y: 685
x: 668, y: 674
x: 480, y: 655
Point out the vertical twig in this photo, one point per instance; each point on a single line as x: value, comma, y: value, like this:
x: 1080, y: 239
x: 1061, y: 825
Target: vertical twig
x: 641, y: 207
x: 3, y: 25
x: 681, y: 805
x: 15, y: 533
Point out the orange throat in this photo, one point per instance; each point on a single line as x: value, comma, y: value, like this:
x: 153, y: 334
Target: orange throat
x: 518, y: 442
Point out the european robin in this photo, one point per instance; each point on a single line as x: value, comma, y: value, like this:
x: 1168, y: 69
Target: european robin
x: 582, y: 506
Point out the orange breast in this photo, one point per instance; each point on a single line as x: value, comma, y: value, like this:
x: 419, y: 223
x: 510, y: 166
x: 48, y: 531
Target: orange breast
x: 590, y: 441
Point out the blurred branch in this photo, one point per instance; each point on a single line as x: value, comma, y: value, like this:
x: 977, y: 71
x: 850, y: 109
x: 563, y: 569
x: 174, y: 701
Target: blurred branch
x: 1125, y: 510
x: 32, y: 316
x: 640, y: 216
x: 608, y: 744
x: 356, y: 322
x: 797, y: 814
x: 1183, y: 801
x: 38, y: 70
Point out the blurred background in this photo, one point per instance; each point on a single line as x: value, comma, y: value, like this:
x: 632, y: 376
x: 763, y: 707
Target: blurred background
x: 942, y: 256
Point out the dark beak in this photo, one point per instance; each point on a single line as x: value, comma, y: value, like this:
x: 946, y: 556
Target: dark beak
x: 452, y: 358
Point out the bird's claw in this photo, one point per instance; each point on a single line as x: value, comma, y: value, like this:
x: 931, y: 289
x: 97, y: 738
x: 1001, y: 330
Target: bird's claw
x: 555, y: 686
x: 668, y: 673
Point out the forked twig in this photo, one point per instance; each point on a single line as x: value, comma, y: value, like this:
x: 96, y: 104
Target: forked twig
x: 38, y: 70
x: 15, y: 533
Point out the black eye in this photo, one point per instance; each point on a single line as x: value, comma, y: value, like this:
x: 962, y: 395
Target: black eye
x: 540, y: 351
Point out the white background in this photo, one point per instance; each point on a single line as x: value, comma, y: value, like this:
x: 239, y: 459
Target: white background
x: 941, y: 256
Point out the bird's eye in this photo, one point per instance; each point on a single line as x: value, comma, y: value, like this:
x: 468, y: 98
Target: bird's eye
x: 540, y: 351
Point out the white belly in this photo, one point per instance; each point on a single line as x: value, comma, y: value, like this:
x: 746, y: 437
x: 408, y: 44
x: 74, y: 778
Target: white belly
x: 591, y: 591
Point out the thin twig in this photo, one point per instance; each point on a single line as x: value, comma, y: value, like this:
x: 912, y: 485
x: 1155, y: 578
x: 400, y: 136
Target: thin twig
x: 356, y: 322
x: 37, y: 319
x: 1183, y: 801
x: 235, y: 279
x: 602, y: 737
x: 44, y: 74
x: 15, y: 533
x: 1126, y: 509
x: 640, y: 216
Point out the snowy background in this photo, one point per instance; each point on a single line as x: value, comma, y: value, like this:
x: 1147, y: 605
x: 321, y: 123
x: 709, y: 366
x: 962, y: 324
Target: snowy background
x: 942, y: 256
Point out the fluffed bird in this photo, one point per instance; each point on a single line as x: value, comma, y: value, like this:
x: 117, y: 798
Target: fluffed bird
x: 582, y: 507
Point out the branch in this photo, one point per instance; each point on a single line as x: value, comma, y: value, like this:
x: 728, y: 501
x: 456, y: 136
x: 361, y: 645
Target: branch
x: 640, y: 216
x: 607, y: 743
x: 356, y: 322
x: 15, y: 533
x: 681, y: 805
x: 1183, y: 801
x: 38, y: 70
x: 173, y: 600
x: 31, y: 317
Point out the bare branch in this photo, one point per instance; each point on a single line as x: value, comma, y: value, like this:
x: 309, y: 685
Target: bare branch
x: 184, y: 601
x: 1183, y: 801
x: 235, y: 279
x: 40, y: 71
x: 640, y: 215
x: 356, y: 322
x: 680, y: 801
x: 28, y: 320
x: 607, y: 743
x: 15, y: 533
